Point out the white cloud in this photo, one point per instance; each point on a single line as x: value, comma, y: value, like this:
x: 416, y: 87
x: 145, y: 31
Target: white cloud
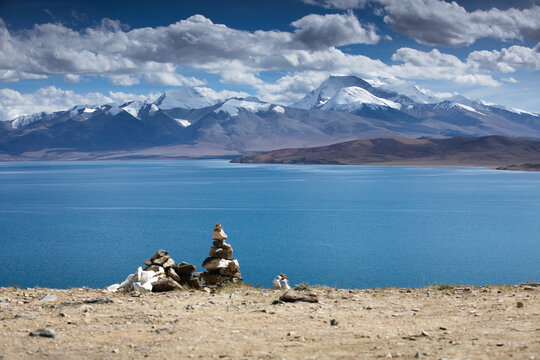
x: 50, y: 99
x: 323, y: 31
x: 506, y: 60
x: 438, y: 22
x: 509, y: 80
x: 155, y: 53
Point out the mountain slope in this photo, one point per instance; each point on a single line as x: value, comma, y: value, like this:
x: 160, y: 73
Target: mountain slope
x: 482, y: 151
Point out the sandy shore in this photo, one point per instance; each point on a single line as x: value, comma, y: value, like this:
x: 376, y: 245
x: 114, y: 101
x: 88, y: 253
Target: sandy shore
x: 500, y: 322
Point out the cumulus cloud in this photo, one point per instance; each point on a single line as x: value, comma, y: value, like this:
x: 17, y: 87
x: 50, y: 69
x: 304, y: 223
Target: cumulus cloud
x: 506, y: 60
x: 155, y: 53
x: 438, y: 22
x: 50, y: 99
x: 323, y: 31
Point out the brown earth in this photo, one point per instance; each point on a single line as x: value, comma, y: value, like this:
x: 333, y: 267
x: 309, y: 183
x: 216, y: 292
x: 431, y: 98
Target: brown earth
x: 486, y: 151
x: 500, y: 322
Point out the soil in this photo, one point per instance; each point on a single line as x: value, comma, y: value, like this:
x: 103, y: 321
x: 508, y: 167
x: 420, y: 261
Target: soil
x: 452, y: 322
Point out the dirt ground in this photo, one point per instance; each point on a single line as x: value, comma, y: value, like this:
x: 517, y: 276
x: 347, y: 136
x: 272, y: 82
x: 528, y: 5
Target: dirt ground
x: 241, y: 323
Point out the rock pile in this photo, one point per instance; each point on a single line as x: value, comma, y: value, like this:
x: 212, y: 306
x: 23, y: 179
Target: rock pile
x: 221, y: 268
x: 160, y: 274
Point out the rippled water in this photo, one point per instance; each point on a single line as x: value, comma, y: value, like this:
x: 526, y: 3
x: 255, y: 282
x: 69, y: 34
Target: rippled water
x: 65, y: 224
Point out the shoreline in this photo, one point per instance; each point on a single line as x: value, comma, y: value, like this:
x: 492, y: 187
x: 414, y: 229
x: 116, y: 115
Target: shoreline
x: 442, y: 321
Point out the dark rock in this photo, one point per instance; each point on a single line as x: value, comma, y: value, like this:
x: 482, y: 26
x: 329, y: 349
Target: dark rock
x: 162, y: 260
x: 230, y: 273
x: 212, y: 278
x: 160, y: 253
x: 105, y: 300
x: 135, y: 294
x: 294, y: 296
x: 195, y: 282
x: 184, y: 268
x: 153, y: 268
x: 221, y: 252
x: 44, y: 332
x: 334, y: 322
x: 165, y: 284
x: 219, y: 243
x: 278, y: 302
x: 519, y: 304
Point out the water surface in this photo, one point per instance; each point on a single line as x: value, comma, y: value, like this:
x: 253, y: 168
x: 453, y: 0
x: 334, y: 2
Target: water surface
x: 67, y: 224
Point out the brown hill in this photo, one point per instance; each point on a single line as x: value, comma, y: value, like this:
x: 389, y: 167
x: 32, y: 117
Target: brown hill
x: 481, y: 151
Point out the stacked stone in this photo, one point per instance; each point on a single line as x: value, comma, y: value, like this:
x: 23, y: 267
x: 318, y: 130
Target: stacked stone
x: 221, y: 268
x: 174, y: 274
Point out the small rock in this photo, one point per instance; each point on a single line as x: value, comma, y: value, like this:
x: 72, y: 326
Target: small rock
x: 294, y: 296
x: 44, y: 332
x: 165, y: 284
x: 416, y: 310
x: 172, y: 273
x: 62, y: 314
x: 278, y: 302
x: 500, y: 344
x: 85, y: 308
x: 184, y: 268
x: 417, y: 356
x: 519, y: 304
x: 135, y: 294
x: 162, y: 260
x: 425, y: 333
x: 442, y: 328
x: 49, y: 297
x: 159, y: 254
x: 115, y: 351
x: 334, y: 322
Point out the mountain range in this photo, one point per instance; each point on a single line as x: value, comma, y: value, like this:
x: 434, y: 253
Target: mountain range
x: 198, y: 121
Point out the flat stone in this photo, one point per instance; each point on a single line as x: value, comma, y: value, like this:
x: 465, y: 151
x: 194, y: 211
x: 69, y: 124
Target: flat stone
x: 221, y: 252
x: 184, y: 268
x: 44, y: 332
x: 173, y: 274
x: 230, y: 273
x: 49, y: 297
x: 168, y: 263
x: 195, y: 282
x: 155, y: 268
x: 160, y: 253
x: 162, y: 260
x: 294, y: 296
x: 165, y: 284
x: 219, y: 234
x: 148, y: 262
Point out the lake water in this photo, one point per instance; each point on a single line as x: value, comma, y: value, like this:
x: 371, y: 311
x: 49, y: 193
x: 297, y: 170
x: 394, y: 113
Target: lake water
x: 67, y: 224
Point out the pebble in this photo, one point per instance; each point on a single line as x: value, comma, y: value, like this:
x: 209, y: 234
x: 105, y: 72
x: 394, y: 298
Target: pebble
x: 49, y: 297
x: 334, y: 322
x: 115, y: 351
x: 519, y: 304
x: 44, y: 332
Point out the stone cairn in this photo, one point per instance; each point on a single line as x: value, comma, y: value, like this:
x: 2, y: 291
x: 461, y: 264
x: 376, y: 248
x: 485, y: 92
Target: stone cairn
x: 221, y: 268
x: 174, y: 275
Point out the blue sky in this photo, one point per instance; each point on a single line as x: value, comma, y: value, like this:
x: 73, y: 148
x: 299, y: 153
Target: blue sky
x: 55, y: 54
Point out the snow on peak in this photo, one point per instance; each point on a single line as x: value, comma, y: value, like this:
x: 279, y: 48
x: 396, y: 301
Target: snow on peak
x: 183, y: 122
x: 469, y: 108
x: 27, y: 119
x: 153, y: 110
x: 80, y: 109
x: 279, y: 109
x: 329, y: 88
x: 133, y: 108
x: 353, y: 98
x: 519, y: 111
x: 234, y: 106
x: 194, y: 98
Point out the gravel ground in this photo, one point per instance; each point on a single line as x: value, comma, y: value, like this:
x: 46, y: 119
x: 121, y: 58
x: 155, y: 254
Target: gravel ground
x: 458, y: 322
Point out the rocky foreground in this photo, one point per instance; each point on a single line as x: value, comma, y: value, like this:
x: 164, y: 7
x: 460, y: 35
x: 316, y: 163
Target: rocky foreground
x: 237, y: 321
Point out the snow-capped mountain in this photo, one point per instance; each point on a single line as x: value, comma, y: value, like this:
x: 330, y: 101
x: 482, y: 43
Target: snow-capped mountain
x: 200, y: 121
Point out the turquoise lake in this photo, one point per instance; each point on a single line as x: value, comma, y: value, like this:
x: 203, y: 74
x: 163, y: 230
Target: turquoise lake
x: 68, y: 224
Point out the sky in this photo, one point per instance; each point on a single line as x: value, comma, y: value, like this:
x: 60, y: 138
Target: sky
x: 55, y: 54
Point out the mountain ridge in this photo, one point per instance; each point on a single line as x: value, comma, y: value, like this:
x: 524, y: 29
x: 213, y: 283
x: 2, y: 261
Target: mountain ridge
x: 341, y: 109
